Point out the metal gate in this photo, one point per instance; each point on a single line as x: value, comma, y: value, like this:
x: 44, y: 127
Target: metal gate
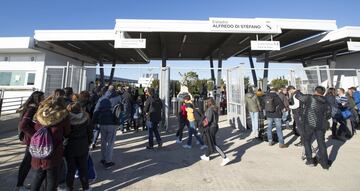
x: 63, y: 76
x: 236, y: 111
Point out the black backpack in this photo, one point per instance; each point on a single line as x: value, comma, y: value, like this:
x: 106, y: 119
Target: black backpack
x: 269, y: 103
x: 116, y: 111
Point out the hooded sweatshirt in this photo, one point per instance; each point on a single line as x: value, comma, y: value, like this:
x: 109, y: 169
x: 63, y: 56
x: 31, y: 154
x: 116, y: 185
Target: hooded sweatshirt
x: 252, y: 102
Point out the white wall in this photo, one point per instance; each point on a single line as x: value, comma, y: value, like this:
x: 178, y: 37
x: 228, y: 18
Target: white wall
x: 22, y: 62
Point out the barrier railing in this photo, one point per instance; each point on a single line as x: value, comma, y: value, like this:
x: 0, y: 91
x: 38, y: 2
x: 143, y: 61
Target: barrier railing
x: 10, y: 105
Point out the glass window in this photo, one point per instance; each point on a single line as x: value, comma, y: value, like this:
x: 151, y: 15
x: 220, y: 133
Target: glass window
x: 5, y: 78
x: 30, y: 79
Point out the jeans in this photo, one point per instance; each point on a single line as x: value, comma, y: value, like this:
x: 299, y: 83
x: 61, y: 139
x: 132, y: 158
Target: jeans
x: 255, y: 122
x: 278, y: 129
x: 285, y: 118
x: 80, y: 163
x: 179, y: 132
x: 51, y: 179
x: 153, y: 129
x: 24, y: 169
x: 96, y: 132
x: 320, y: 138
x: 192, y: 131
x: 108, y: 135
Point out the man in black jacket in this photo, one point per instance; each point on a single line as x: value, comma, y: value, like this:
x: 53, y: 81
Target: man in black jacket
x: 274, y: 108
x: 316, y: 113
x: 152, y: 109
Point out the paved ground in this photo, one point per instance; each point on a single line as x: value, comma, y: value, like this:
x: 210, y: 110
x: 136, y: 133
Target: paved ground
x: 254, y: 166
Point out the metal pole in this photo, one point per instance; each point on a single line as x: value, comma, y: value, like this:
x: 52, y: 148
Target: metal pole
x: 266, y: 71
x: 102, y: 82
x: 112, y: 72
x: 318, y: 75
x: 253, y: 72
x: 67, y: 73
x: 218, y: 82
x: 212, y: 69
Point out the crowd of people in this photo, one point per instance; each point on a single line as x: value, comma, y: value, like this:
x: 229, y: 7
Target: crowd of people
x: 66, y: 126
x: 310, y: 115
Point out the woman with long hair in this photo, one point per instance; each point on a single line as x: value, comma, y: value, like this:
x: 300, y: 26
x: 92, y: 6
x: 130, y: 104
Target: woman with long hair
x: 53, y: 116
x: 27, y: 130
x: 211, y: 127
x: 330, y: 97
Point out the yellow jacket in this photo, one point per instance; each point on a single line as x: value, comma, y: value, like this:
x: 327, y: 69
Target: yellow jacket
x: 190, y: 110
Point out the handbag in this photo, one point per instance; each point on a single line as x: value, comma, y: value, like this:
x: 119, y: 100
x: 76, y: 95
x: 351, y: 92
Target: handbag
x: 346, y: 114
x: 205, y: 122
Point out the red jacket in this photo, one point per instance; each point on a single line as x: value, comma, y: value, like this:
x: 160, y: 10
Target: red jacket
x: 27, y: 124
x: 183, y: 112
x: 58, y: 131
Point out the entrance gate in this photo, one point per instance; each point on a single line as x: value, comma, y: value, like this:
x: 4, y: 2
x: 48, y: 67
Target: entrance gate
x: 236, y: 111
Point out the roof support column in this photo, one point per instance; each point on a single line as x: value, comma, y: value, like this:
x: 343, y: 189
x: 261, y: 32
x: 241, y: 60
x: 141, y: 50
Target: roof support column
x: 253, y: 72
x: 102, y: 82
x: 112, y: 72
x: 332, y: 65
x: 212, y: 71
x: 266, y: 71
x: 164, y: 89
x: 218, y: 82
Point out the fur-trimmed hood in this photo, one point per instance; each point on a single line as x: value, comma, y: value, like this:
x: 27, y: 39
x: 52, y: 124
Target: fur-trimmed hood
x: 49, y: 116
x: 79, y: 118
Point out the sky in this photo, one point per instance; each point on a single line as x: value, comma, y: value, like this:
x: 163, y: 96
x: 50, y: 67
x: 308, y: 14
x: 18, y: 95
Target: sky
x: 22, y: 17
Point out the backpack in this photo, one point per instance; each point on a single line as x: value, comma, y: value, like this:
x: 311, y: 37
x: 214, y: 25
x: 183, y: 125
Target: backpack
x: 41, y: 144
x: 269, y: 103
x: 116, y: 111
x: 356, y: 96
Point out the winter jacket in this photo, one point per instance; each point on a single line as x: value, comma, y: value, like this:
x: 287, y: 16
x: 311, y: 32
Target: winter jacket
x: 278, y: 104
x: 331, y: 100
x: 252, y: 102
x: 210, y: 131
x: 126, y: 100
x: 80, y: 136
x: 153, y: 108
x: 59, y: 125
x: 103, y: 114
x: 285, y: 99
x: 316, y: 111
x: 212, y: 116
x: 27, y: 124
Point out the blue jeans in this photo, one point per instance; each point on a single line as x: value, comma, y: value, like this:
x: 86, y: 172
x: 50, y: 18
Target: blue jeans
x: 254, y: 121
x: 278, y: 129
x: 153, y: 129
x: 192, y: 131
x: 96, y: 133
x: 108, y: 135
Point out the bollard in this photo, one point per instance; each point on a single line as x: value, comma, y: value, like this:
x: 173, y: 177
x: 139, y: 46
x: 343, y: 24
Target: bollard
x: 175, y: 106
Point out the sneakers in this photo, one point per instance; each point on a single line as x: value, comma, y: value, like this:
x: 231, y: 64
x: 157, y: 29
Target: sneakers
x: 203, y: 147
x: 102, y: 161
x: 205, y: 158
x: 282, y: 146
x: 186, y: 146
x: 299, y: 144
x: 108, y: 165
x: 160, y: 145
x: 225, y: 161
x: 271, y: 143
x: 149, y: 148
x: 310, y: 163
x: 178, y: 141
